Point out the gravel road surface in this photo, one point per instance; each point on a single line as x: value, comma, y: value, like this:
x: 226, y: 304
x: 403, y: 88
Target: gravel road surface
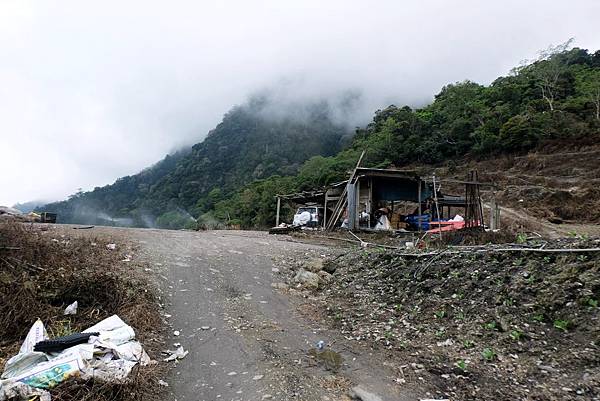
x: 246, y: 339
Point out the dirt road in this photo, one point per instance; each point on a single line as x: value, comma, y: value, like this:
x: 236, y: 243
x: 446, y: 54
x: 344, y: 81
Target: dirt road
x: 246, y: 339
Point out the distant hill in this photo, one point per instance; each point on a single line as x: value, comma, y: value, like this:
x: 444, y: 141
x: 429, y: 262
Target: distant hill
x: 254, y: 141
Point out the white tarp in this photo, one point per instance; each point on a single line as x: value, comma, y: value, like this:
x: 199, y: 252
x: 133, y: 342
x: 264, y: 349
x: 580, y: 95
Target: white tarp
x: 110, y: 356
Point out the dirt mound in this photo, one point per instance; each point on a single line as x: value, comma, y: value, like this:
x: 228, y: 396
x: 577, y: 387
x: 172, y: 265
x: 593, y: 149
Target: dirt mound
x: 477, y: 326
x: 41, y: 272
x: 557, y: 183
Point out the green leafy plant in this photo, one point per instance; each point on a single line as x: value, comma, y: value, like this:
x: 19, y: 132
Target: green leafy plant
x: 562, y: 324
x: 491, y: 325
x: 516, y: 335
x: 488, y: 354
x: 468, y: 344
x: 440, y: 314
x: 539, y: 317
x: 592, y: 302
x: 462, y: 365
x: 521, y: 238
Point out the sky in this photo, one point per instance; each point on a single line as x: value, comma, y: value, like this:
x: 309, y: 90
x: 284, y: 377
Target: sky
x: 94, y: 90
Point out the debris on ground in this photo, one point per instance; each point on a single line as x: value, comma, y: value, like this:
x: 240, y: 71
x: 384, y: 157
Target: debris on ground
x: 474, y: 322
x: 108, y: 355
x: 179, y: 353
x: 71, y: 309
x: 43, y: 273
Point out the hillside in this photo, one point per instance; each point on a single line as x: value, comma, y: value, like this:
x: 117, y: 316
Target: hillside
x: 550, y: 105
x: 248, y: 144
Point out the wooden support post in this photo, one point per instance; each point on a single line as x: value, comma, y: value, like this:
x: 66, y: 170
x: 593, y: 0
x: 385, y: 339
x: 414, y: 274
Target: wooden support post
x: 437, y: 208
x: 325, y: 211
x: 277, y: 215
x: 370, y: 206
x: 357, y: 214
x: 351, y: 194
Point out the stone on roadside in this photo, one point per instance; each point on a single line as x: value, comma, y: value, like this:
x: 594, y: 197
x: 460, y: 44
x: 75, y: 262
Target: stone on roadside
x: 280, y: 286
x: 307, y: 279
x: 326, y: 277
x: 314, y: 265
x: 359, y: 393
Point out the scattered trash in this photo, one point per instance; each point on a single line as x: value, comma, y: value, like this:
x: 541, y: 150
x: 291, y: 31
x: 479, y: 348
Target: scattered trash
x: 177, y: 354
x: 205, y: 327
x: 62, y: 343
x: 176, y: 333
x: 321, y: 345
x: 71, y: 309
x: 112, y: 247
x: 258, y: 377
x: 163, y: 383
x: 109, y: 354
x: 231, y: 373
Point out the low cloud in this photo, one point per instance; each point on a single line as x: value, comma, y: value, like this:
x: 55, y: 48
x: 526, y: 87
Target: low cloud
x: 94, y: 91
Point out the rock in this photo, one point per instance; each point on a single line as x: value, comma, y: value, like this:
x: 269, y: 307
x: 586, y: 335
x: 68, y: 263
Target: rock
x: 280, y: 286
x: 326, y: 277
x: 307, y: 279
x: 359, y: 393
x: 314, y: 265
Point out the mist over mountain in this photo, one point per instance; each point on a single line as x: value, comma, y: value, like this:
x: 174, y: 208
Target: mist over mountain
x: 268, y: 135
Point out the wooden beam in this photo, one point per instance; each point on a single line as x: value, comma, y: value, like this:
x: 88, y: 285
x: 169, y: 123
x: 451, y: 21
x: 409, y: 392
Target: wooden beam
x: 278, y: 208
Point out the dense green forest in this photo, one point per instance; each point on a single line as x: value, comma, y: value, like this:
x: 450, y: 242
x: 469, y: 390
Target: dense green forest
x: 248, y: 144
x: 232, y: 177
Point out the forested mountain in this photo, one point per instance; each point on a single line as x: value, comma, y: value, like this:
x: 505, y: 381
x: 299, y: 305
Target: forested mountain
x: 252, y: 142
x: 233, y: 175
x: 553, y: 99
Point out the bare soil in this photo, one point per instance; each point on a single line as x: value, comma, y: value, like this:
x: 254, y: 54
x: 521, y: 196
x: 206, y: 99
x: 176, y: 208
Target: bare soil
x: 556, y: 188
x: 475, y: 326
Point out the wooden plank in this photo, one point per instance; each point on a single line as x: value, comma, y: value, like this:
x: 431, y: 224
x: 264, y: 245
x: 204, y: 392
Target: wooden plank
x: 339, y: 207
